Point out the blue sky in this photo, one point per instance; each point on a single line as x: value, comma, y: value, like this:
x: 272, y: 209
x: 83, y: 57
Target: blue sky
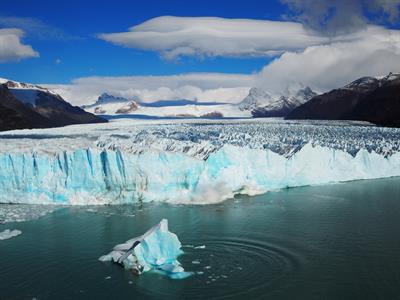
x: 197, y: 50
x: 82, y: 54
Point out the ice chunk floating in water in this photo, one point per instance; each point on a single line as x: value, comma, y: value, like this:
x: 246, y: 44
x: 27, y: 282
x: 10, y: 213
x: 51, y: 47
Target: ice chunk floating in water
x: 118, y: 163
x: 8, y: 234
x: 156, y: 250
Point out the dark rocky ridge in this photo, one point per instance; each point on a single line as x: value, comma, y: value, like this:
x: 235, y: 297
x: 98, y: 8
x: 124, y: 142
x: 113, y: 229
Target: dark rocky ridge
x: 16, y: 115
x: 366, y: 99
x: 50, y: 110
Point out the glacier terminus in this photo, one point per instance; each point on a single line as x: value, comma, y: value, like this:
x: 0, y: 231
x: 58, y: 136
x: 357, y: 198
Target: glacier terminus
x: 193, y: 162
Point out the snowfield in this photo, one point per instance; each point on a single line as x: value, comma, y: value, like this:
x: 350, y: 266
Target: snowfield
x: 195, y: 162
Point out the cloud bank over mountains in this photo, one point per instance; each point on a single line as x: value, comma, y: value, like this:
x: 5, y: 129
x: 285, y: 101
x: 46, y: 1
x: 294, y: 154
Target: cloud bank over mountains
x: 310, y: 58
x: 197, y: 86
x: 322, y: 44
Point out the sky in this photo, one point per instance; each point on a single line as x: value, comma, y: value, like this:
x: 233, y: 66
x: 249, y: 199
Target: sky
x: 198, y: 50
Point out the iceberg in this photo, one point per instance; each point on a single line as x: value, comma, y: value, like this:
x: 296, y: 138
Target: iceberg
x: 156, y: 250
x: 8, y: 234
x: 118, y: 163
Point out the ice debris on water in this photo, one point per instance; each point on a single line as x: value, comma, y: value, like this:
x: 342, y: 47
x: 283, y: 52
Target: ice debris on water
x: 156, y: 250
x: 21, y: 212
x: 196, y: 262
x: 8, y: 234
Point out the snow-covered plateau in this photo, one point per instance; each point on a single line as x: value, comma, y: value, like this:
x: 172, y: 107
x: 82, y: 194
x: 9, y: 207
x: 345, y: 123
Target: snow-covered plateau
x: 195, y: 162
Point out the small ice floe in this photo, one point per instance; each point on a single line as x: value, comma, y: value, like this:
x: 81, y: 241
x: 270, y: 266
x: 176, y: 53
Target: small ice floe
x: 8, y: 234
x: 157, y: 250
x: 196, y: 262
x: 200, y: 247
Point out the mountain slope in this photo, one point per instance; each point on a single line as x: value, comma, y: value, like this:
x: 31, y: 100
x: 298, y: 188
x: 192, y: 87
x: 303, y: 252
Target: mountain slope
x: 366, y: 99
x: 16, y: 115
x: 30, y: 106
x: 262, y: 104
x: 255, y: 99
x: 110, y: 104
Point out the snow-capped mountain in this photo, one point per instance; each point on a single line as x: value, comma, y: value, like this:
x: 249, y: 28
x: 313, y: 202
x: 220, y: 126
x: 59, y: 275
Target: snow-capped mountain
x: 24, y: 105
x: 256, y: 98
x: 112, y: 104
x: 108, y: 104
x: 262, y: 104
x: 258, y: 103
x: 376, y: 100
x: 363, y: 84
x: 15, y: 85
x: 107, y: 98
x: 129, y: 107
x: 25, y: 92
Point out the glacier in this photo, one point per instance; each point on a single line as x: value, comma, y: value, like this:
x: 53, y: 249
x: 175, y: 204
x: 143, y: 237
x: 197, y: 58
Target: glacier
x: 196, y: 162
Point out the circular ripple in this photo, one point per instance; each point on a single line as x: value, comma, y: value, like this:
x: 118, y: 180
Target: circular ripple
x: 229, y: 268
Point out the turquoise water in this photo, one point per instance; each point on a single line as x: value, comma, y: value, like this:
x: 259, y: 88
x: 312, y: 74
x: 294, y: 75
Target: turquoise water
x: 338, y: 241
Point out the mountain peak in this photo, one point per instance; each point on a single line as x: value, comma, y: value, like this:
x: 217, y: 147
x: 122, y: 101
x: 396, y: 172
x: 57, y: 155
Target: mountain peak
x: 364, y: 83
x: 257, y: 97
x: 108, y: 98
x: 391, y: 77
x: 284, y: 104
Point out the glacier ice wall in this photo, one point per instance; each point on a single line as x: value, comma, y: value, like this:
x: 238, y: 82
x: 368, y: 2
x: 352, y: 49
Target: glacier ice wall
x: 197, y: 162
x: 103, y: 176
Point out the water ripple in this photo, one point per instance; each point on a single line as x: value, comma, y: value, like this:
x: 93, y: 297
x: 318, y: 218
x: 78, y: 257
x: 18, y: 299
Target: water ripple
x: 231, y: 262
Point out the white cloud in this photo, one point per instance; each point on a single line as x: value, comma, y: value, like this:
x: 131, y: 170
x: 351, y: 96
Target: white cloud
x: 197, y: 86
x: 11, y: 48
x: 372, y: 50
x: 211, y: 36
x: 376, y: 51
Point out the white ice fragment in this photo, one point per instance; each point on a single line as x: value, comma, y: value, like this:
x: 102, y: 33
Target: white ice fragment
x: 8, y: 234
x: 196, y: 262
x: 157, y: 250
x: 200, y: 247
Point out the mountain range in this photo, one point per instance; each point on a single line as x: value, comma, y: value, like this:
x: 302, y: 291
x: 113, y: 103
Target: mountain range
x: 262, y: 104
x: 258, y: 103
x: 376, y: 100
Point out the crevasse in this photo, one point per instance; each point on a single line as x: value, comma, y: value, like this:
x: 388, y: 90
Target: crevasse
x: 95, y: 176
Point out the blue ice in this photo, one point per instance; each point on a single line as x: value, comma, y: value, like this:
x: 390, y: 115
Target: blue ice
x: 156, y: 250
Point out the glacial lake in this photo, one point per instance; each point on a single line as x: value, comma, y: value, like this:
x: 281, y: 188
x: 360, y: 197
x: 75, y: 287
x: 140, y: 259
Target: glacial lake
x: 339, y: 241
